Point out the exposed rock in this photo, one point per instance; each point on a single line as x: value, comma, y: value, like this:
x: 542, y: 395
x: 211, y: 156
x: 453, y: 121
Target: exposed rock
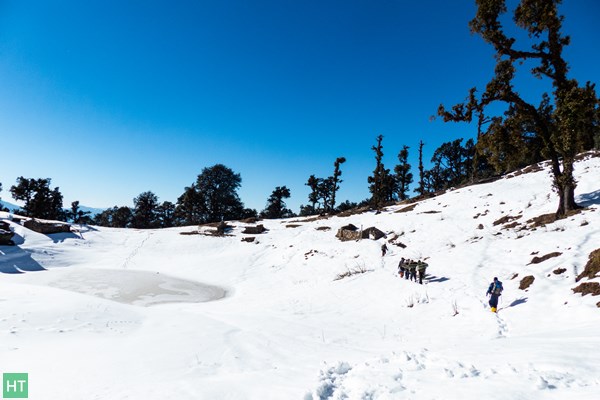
x: 592, y: 288
x: 559, y: 271
x: 248, y: 239
x: 254, y: 230
x: 351, y: 232
x: 592, y: 268
x: 537, y: 260
x: 407, y: 209
x: 6, y: 234
x: 47, y: 227
x: 505, y: 219
x: 526, y: 282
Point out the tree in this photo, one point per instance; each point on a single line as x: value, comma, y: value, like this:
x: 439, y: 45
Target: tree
x: 213, y: 198
x: 346, y: 205
x: 217, y: 187
x: 189, y: 209
x: 249, y: 213
x: 165, y: 214
x: 319, y: 197
x: 122, y: 217
x: 276, y: 207
x: 421, y: 188
x: 104, y: 218
x: 2, y: 208
x: 77, y: 215
x: 565, y: 121
x: 453, y: 164
x: 382, y: 184
x: 40, y: 201
x: 403, y: 175
x: 313, y: 197
x: 145, y: 211
x: 335, y: 180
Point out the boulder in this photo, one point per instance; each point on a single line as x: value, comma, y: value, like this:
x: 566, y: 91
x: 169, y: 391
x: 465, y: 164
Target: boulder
x: 254, y: 230
x: 351, y: 232
x: 6, y: 234
x: 47, y: 227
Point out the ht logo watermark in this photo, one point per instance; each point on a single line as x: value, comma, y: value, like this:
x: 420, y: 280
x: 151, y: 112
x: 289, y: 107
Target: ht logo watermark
x: 15, y: 386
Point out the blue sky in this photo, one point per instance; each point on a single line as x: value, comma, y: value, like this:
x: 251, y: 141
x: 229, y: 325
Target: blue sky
x: 114, y: 98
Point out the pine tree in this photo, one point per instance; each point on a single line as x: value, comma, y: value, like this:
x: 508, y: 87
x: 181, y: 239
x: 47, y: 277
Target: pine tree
x: 313, y: 197
x: 212, y: 198
x: 421, y: 188
x: 335, y: 181
x: 166, y: 214
x: 346, y: 205
x: 77, y: 215
x: 103, y: 218
x: 565, y: 121
x: 145, y: 211
x: 453, y: 163
x: 189, y: 209
x: 403, y: 175
x: 276, y: 207
x: 121, y: 217
x: 381, y: 182
x: 217, y: 187
x: 40, y: 201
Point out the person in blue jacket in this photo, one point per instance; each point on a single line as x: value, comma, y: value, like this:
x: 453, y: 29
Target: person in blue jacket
x: 494, y: 291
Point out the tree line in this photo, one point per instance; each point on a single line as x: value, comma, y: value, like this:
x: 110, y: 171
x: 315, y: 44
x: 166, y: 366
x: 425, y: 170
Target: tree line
x: 559, y: 126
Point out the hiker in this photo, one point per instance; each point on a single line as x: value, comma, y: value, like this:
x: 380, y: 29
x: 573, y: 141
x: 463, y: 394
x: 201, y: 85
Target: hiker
x: 383, y: 250
x: 412, y: 268
x: 494, y: 291
x: 401, y: 268
x: 406, y: 270
x: 421, y: 267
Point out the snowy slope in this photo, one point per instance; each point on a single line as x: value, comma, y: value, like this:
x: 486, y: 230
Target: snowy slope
x: 127, y: 314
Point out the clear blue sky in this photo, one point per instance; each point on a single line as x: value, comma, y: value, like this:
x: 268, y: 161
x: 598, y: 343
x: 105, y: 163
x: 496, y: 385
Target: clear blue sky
x: 114, y: 98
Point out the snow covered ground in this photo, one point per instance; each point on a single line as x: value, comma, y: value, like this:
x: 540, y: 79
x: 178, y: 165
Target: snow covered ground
x: 153, y: 314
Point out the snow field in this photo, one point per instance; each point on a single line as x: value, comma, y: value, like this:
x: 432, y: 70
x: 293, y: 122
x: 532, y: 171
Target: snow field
x: 288, y: 329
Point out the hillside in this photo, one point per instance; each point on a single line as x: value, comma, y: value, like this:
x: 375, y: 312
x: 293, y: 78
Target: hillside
x: 154, y: 314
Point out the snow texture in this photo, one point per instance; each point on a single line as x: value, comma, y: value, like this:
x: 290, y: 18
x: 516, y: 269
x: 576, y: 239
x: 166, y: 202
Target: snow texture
x: 109, y: 314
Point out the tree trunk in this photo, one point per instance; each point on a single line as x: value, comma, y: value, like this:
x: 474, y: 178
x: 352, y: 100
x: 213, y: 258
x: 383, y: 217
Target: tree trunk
x: 565, y: 185
x: 567, y: 202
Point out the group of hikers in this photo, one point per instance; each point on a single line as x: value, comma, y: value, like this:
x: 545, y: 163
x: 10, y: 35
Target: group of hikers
x: 410, y: 269
x: 413, y: 269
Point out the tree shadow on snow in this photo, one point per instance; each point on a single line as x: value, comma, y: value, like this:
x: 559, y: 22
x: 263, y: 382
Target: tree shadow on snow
x: 437, y: 279
x: 522, y: 300
x: 15, y: 260
x: 589, y: 199
x: 61, y: 237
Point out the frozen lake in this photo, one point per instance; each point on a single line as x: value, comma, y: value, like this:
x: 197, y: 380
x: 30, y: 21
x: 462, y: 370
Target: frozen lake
x: 140, y: 288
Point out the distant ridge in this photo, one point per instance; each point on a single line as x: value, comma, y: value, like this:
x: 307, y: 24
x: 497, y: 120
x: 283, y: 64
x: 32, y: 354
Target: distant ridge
x: 93, y: 211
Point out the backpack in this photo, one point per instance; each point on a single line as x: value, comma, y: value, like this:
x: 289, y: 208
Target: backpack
x: 497, y: 289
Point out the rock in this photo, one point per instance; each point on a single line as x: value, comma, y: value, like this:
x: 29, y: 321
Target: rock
x: 47, y: 227
x: 351, y: 232
x: 254, y: 230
